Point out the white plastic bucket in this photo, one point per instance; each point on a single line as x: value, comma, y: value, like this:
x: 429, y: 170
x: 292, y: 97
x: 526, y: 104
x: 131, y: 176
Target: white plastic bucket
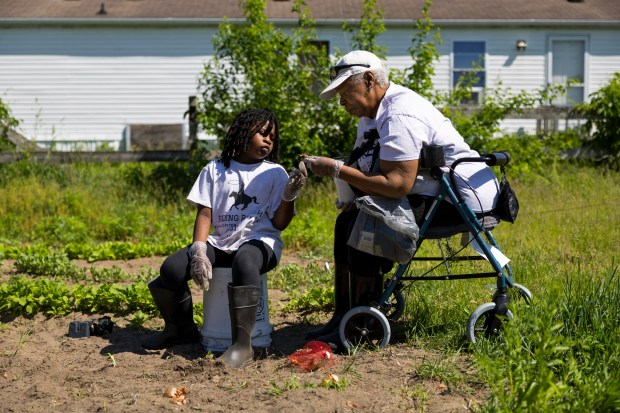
x: 216, y: 335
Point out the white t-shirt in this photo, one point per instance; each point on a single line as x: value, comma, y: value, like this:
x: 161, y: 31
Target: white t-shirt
x: 406, y: 121
x: 243, y: 200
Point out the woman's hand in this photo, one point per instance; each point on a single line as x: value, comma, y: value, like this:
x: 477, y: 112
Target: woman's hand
x: 345, y: 206
x: 322, y: 166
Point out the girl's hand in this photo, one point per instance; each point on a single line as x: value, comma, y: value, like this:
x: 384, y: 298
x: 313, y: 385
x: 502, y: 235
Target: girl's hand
x: 199, y: 265
x: 296, y: 180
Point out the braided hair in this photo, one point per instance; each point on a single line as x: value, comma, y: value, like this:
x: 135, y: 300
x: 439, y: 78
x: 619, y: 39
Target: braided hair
x: 245, y: 125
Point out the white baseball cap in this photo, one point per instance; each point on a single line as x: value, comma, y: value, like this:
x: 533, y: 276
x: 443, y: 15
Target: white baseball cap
x: 357, y: 61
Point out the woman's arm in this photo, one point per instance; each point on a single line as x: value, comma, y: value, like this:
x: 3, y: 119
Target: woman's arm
x: 394, y: 181
x: 202, y: 224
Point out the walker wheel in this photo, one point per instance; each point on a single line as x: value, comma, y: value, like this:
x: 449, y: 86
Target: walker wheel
x: 397, y: 305
x: 519, y: 292
x: 523, y: 293
x: 481, y: 322
x: 364, y: 326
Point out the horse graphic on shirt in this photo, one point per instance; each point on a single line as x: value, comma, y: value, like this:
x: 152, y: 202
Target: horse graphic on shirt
x: 241, y: 199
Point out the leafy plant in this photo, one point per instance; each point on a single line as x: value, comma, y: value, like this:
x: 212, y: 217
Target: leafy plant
x: 560, y: 357
x: 292, y: 277
x: 481, y: 127
x: 49, y: 265
x: 21, y: 295
x: 138, y: 319
x: 245, y: 52
x: 29, y: 297
x: 108, y: 275
x: 603, y: 120
x: 7, y: 121
x: 311, y: 301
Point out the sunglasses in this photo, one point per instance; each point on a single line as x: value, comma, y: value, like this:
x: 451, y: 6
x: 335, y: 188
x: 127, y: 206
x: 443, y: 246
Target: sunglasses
x: 334, y: 70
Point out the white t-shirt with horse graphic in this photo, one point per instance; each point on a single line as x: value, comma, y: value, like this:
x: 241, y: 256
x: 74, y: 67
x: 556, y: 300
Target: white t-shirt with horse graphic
x: 243, y: 200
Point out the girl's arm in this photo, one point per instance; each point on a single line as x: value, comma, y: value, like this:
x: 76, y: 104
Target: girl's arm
x: 284, y: 215
x: 202, y: 224
x: 286, y: 210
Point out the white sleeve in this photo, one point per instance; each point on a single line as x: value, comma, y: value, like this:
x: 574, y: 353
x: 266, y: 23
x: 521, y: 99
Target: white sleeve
x: 402, y: 138
x: 201, y: 192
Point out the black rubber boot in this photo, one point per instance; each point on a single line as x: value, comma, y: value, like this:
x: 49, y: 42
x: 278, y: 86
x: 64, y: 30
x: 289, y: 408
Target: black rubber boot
x: 364, y: 291
x: 342, y: 303
x: 177, y: 311
x: 243, y: 305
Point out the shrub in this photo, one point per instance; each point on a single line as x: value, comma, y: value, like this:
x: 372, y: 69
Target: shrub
x: 7, y: 121
x: 603, y: 120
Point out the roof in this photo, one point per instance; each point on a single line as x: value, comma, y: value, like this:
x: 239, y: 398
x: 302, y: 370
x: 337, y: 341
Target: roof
x: 322, y: 10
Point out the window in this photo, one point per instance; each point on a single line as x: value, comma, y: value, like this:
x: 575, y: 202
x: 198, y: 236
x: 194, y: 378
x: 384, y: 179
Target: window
x: 568, y: 65
x: 468, y: 66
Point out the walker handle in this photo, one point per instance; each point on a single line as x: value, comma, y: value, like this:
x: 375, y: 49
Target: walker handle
x: 497, y: 158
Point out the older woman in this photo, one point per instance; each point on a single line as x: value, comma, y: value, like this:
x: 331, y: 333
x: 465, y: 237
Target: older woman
x: 399, y: 122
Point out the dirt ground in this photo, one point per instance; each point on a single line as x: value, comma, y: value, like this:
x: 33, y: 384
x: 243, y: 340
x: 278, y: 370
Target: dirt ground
x: 42, y: 369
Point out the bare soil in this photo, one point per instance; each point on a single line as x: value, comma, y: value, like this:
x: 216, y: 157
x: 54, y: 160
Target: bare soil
x: 42, y: 369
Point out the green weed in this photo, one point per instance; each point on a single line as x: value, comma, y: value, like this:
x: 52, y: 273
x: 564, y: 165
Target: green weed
x: 138, y: 319
x: 311, y: 301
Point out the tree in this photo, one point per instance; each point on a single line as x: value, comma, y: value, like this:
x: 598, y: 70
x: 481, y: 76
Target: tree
x: 258, y: 65
x: 365, y: 33
x: 423, y: 52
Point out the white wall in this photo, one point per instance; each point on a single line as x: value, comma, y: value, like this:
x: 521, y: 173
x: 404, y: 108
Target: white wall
x: 88, y: 83
x: 81, y: 83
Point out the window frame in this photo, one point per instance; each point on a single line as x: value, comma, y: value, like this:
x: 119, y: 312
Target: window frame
x: 586, y: 57
x: 477, y: 91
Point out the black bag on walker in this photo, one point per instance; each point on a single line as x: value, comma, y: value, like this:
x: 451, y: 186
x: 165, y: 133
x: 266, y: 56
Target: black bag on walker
x: 507, y: 206
x: 385, y: 227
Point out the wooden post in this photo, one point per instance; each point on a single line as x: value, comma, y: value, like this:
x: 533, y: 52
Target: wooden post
x: 193, y: 125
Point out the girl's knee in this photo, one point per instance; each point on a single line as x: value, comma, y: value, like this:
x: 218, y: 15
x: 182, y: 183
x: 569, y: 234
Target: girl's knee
x: 173, y: 271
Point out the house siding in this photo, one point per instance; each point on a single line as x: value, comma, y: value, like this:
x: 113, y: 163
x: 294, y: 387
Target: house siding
x: 70, y: 83
x: 84, y: 84
x: 604, y: 57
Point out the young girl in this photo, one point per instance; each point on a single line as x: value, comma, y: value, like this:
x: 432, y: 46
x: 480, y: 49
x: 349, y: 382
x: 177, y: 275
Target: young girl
x: 246, y: 199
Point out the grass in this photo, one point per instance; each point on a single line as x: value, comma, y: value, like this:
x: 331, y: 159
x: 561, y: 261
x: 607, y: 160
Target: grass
x: 560, y: 354
x: 88, y: 203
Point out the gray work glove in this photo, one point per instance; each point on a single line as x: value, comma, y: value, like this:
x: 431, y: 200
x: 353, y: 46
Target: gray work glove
x: 322, y: 166
x: 199, y: 265
x: 296, y: 180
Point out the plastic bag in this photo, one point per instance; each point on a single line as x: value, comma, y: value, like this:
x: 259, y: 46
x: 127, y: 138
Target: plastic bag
x: 385, y: 227
x: 315, y: 355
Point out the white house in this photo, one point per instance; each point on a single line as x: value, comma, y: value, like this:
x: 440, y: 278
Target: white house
x: 83, y: 70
